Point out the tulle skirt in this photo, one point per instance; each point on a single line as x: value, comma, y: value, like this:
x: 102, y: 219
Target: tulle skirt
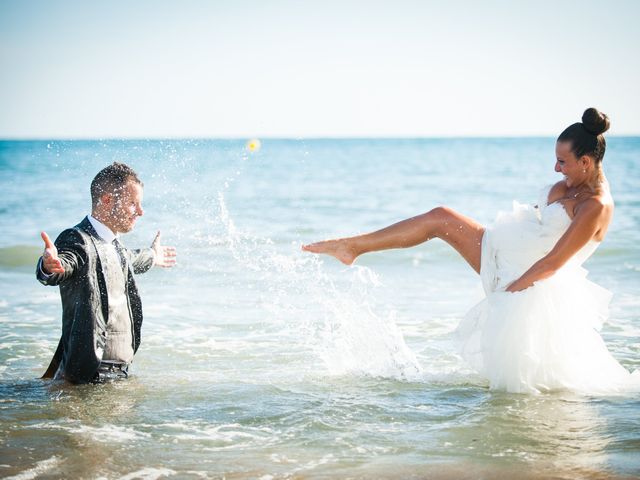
x: 545, y: 338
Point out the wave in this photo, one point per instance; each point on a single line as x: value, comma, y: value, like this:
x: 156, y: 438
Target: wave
x: 16, y: 256
x: 41, y: 468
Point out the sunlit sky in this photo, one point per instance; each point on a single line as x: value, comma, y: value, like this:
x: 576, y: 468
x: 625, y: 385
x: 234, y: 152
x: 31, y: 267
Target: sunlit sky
x: 89, y: 69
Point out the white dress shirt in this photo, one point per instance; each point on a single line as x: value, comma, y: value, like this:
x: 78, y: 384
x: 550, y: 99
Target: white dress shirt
x: 102, y: 230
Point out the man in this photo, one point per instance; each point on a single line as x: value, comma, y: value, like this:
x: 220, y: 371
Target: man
x: 101, y: 308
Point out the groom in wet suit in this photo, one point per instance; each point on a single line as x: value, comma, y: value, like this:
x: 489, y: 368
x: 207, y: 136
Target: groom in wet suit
x: 101, y: 308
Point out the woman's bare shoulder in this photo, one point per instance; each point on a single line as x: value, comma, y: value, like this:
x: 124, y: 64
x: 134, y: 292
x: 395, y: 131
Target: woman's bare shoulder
x: 604, y: 195
x: 596, y: 208
x: 557, y: 191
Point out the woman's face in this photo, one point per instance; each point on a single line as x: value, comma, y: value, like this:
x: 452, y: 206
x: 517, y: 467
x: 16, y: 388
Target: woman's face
x: 568, y: 164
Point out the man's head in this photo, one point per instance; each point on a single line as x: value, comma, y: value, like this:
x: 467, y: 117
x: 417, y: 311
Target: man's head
x: 116, y: 197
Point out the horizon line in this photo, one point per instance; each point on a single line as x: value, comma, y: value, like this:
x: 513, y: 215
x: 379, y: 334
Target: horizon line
x: 279, y: 137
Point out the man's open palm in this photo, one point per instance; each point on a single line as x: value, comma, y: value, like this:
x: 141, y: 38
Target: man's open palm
x: 50, y: 261
x: 164, y: 256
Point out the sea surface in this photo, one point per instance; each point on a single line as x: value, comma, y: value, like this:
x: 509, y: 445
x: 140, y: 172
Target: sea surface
x: 261, y: 361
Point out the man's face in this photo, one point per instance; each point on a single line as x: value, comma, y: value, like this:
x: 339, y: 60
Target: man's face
x: 126, y: 207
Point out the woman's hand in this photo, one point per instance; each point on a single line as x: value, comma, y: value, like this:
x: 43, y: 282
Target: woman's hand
x: 518, y: 285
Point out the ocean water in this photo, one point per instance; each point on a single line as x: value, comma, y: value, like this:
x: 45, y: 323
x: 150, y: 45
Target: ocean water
x: 261, y: 361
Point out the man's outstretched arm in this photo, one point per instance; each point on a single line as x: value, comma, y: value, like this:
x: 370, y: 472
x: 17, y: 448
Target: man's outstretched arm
x: 61, y: 260
x: 157, y: 255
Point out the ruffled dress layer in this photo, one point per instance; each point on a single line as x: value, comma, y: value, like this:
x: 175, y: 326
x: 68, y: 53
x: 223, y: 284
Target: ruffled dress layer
x: 545, y: 337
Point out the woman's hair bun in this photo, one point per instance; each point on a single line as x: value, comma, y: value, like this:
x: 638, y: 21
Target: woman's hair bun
x: 595, y: 122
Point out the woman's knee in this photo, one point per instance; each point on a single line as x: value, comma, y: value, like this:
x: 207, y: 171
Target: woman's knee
x: 438, y: 219
x: 441, y: 213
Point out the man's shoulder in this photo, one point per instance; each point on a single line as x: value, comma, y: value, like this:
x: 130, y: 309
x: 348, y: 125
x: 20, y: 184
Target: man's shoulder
x: 78, y: 234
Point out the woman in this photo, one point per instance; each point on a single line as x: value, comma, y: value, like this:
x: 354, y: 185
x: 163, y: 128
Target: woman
x: 536, y: 330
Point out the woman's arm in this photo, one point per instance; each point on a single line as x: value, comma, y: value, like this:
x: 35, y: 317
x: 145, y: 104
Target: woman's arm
x: 590, y: 218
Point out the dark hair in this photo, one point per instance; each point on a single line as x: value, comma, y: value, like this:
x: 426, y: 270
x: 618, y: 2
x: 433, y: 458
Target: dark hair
x: 112, y: 178
x: 586, y: 137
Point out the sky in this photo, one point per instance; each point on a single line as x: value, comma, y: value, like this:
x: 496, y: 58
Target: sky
x: 302, y: 69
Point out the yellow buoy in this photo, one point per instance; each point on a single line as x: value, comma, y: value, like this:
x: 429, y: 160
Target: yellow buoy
x: 253, y: 145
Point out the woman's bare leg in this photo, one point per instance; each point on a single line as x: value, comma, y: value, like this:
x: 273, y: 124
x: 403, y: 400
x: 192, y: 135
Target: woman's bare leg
x: 462, y: 233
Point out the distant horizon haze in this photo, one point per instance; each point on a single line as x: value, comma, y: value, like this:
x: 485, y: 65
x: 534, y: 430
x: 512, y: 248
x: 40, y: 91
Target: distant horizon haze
x: 285, y: 69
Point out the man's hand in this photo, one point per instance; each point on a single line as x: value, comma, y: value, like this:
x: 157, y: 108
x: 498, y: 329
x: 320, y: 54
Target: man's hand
x: 50, y: 261
x: 164, y: 256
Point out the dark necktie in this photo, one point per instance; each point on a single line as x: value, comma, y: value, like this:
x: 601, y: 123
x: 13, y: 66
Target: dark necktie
x: 120, y: 250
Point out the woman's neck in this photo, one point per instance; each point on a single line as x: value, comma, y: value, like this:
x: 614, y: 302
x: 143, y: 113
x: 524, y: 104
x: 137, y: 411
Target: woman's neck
x: 594, y: 183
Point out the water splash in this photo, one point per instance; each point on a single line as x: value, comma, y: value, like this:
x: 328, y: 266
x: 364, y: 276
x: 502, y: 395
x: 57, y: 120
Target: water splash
x: 337, y: 319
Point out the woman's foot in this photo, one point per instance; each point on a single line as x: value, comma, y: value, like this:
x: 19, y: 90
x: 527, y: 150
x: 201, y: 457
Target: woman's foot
x: 339, y: 249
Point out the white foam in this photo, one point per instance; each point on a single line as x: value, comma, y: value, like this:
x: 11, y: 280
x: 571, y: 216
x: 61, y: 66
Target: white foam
x: 40, y: 468
x: 106, y: 433
x: 229, y: 436
x: 312, y: 464
x: 149, y: 474
x: 110, y: 433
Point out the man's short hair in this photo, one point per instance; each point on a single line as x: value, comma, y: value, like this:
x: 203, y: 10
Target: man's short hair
x: 112, y: 178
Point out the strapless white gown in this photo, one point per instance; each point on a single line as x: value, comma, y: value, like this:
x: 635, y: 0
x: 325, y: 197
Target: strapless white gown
x: 544, y: 337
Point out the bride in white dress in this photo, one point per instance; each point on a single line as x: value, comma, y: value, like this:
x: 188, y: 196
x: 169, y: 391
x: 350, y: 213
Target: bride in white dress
x: 537, y: 328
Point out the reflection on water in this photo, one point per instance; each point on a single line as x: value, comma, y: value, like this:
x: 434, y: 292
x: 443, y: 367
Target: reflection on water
x: 559, y: 433
x: 260, y: 361
x: 63, y: 428
x: 345, y: 425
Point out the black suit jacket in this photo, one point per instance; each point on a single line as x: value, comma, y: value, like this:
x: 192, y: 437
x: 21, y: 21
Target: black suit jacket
x: 85, y: 301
